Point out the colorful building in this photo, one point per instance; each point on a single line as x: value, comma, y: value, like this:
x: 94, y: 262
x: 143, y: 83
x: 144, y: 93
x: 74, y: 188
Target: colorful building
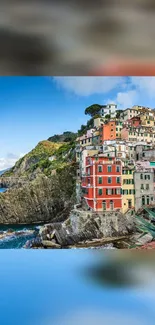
x: 134, y: 122
x: 128, y: 113
x: 128, y: 189
x: 108, y: 131
x: 101, y: 186
x: 86, y: 139
x: 144, y: 186
x: 138, y: 134
x: 119, y: 126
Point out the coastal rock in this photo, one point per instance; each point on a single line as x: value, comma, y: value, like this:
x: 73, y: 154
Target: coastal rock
x: 50, y: 244
x: 88, y: 227
x: 45, y: 199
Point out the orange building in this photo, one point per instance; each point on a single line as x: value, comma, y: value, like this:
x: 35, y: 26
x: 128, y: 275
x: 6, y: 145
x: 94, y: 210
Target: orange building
x: 108, y: 131
x: 101, y: 186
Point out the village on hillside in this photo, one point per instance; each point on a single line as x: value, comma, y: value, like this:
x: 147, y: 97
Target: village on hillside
x: 116, y: 160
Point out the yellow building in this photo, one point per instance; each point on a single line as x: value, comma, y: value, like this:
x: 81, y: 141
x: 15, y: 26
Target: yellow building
x: 139, y: 134
x: 128, y: 189
x: 119, y: 126
x: 147, y: 119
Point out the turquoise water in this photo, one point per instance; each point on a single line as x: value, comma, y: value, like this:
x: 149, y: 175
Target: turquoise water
x: 16, y: 241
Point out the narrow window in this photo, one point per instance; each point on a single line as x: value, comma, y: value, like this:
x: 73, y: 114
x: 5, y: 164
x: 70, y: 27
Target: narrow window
x: 109, y: 180
x: 100, y: 180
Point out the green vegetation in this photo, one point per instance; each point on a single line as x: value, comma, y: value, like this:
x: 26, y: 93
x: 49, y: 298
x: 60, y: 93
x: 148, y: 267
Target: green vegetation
x: 44, y: 158
x: 107, y: 116
x: 118, y: 112
x: 93, y: 110
x: 65, y: 137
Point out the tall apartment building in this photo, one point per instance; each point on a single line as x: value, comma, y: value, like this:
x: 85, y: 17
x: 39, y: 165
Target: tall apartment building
x: 144, y: 187
x: 101, y: 186
x: 108, y: 131
x: 128, y: 189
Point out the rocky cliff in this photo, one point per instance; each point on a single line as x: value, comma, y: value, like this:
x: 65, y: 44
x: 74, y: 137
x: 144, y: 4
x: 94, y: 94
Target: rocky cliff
x: 44, y: 199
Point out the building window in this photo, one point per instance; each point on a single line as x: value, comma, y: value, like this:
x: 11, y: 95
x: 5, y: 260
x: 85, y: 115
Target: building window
x: 109, y: 180
x: 109, y: 169
x: 147, y: 186
x: 143, y: 200
x: 148, y: 200
x: 100, y: 169
x: 147, y: 177
x: 130, y: 172
x: 109, y: 191
x: 117, y: 180
x: 104, y: 205
x: 141, y: 176
x: 125, y: 192
x: 111, y: 205
x: 117, y: 169
x: 118, y: 191
x: 100, y: 191
x: 142, y: 187
x: 100, y: 180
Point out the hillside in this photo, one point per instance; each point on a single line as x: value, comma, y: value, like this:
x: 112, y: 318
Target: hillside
x: 65, y: 137
x: 43, y: 159
x: 41, y: 185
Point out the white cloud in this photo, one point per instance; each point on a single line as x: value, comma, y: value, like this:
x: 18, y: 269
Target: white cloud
x: 144, y: 84
x: 127, y: 91
x: 9, y: 160
x: 126, y: 99
x: 86, y: 86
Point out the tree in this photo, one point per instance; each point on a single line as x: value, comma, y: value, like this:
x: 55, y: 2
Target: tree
x: 107, y: 116
x: 93, y: 110
x: 118, y: 112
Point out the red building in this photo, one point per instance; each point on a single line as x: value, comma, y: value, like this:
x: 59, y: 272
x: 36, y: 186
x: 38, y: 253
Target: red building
x: 134, y: 121
x: 101, y: 185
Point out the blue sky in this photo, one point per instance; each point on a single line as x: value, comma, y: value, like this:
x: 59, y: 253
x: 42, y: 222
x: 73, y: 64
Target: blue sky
x: 34, y: 108
x: 43, y: 287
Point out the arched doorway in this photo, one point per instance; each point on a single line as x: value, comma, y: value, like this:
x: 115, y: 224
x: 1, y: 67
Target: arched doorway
x: 104, y: 205
x: 111, y: 205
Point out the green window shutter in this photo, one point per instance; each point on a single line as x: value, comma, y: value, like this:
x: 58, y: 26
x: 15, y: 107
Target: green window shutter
x: 100, y: 180
x: 100, y: 191
x: 100, y: 169
x: 106, y: 192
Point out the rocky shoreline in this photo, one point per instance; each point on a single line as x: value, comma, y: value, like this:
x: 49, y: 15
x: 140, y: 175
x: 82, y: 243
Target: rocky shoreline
x: 85, y: 229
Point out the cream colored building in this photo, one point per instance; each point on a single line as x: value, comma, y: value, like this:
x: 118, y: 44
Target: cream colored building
x: 128, y: 189
x: 98, y: 122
